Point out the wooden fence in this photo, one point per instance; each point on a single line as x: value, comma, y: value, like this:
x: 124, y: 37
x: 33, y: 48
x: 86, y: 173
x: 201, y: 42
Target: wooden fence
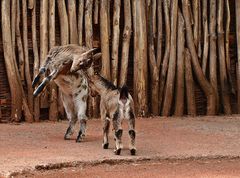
x: 178, y: 57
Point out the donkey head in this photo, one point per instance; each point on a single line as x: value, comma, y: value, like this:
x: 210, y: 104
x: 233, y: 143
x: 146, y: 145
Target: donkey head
x: 84, y: 61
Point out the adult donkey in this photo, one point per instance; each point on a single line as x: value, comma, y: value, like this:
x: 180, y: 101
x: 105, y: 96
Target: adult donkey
x: 64, y: 64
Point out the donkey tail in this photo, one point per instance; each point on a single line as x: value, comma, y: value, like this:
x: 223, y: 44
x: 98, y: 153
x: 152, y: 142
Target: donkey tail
x: 124, y: 93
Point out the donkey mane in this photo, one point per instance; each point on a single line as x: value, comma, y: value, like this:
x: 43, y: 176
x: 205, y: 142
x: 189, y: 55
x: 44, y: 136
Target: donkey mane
x: 109, y: 85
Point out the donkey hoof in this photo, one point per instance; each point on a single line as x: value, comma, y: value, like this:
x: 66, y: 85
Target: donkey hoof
x: 67, y: 137
x: 80, y: 138
x: 133, y: 151
x: 105, y: 145
x: 118, y: 151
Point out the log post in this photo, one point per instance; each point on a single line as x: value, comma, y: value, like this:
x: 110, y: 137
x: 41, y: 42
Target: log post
x: 164, y: 68
x: 213, y: 51
x: 44, y: 44
x: 53, y: 109
x: 26, y: 61
x: 80, y: 21
x: 140, y: 57
x: 96, y: 11
x: 115, y: 40
x: 126, y: 42
x: 167, y: 103
x: 16, y: 95
x: 36, y: 59
x: 154, y: 69
x: 190, y: 93
x: 104, y: 37
x: 72, y: 19
x: 179, y: 97
x: 205, y: 36
x: 205, y: 85
x: 237, y: 9
x: 63, y: 18
x: 222, y: 63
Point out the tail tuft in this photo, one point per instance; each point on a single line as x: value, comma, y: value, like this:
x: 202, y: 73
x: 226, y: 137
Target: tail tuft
x: 124, y: 92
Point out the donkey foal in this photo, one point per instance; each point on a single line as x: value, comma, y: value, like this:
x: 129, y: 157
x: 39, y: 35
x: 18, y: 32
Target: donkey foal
x: 116, y: 104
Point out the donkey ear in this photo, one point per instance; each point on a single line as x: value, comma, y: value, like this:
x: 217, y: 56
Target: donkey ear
x: 76, y: 63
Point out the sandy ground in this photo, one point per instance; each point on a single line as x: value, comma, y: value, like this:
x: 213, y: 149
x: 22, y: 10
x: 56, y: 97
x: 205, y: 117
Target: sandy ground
x: 40, y: 146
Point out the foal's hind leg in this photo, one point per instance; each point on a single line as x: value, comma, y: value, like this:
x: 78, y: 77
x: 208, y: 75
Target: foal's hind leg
x: 132, y: 133
x: 117, y: 125
x: 106, y: 126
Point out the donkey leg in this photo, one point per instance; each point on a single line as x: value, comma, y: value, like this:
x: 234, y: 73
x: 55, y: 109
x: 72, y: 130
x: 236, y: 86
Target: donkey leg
x: 82, y: 108
x: 118, y: 133
x: 132, y: 133
x: 71, y: 115
x: 106, y: 127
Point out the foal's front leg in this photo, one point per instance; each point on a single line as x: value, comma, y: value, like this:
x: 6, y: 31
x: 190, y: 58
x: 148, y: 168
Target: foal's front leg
x: 117, y: 126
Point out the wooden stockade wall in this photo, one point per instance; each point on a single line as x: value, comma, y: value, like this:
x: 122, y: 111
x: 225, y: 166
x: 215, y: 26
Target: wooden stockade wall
x: 177, y: 57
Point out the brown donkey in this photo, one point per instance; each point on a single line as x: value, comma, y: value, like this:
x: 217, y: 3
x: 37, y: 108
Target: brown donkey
x: 116, y: 104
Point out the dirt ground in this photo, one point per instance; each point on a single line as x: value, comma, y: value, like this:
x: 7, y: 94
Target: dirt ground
x: 216, y: 168
x: 163, y: 145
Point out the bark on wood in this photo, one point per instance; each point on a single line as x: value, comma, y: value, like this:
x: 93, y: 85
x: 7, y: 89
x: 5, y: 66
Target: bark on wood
x: 205, y: 85
x: 13, y: 25
x: 53, y: 109
x: 16, y: 99
x: 200, y: 30
x: 190, y: 94
x: 162, y: 78
x: 140, y: 57
x: 19, y: 43
x: 154, y: 17
x: 63, y: 18
x: 126, y: 42
x: 167, y: 103
x: 96, y: 11
x: 213, y: 50
x: 26, y: 61
x: 228, y: 62
x: 44, y: 44
x: 72, y: 18
x: 205, y: 37
x: 31, y: 4
x: 104, y: 36
x: 195, y: 4
x: 115, y: 40
x: 154, y: 69
x: 179, y: 97
x: 80, y: 21
x: 36, y: 59
x: 237, y: 9
x: 222, y: 63
x: 159, y: 33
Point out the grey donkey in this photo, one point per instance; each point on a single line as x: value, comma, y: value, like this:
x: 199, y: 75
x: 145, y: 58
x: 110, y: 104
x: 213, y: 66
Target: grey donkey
x: 64, y: 64
x: 116, y: 104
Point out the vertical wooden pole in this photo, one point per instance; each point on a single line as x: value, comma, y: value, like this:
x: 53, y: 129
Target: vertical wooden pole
x: 237, y: 9
x: 115, y: 40
x: 44, y: 43
x: 36, y: 59
x: 205, y: 85
x: 167, y: 103
x: 140, y: 57
x: 53, y: 109
x: 213, y: 50
x: 80, y: 21
x: 126, y: 42
x: 179, y: 97
x: 104, y: 36
x: 26, y: 61
x: 16, y: 99
x: 72, y: 18
x: 96, y: 11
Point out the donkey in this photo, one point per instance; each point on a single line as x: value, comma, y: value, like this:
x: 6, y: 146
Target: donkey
x: 116, y: 104
x: 63, y: 63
